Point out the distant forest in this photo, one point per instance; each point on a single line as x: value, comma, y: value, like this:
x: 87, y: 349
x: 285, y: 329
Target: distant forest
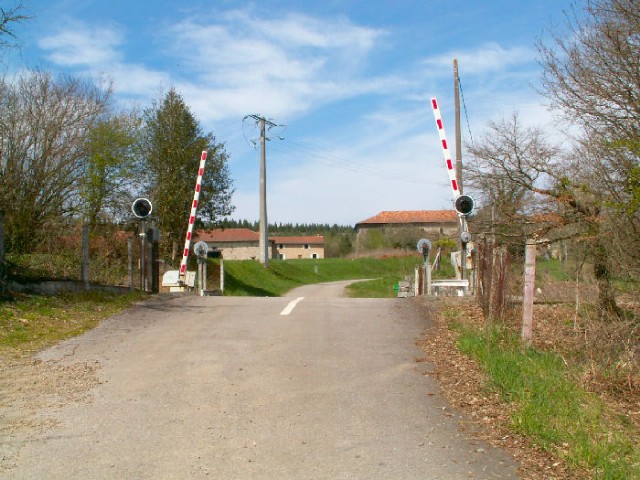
x: 288, y: 229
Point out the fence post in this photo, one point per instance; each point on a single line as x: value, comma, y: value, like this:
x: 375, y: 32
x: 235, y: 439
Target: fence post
x: 85, y: 255
x: 130, y: 262
x: 1, y: 247
x: 529, y: 287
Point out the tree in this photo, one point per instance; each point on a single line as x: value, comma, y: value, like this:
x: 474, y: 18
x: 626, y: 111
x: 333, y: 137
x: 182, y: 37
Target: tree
x: 593, y: 77
x: 44, y: 123
x: 108, y: 177
x: 8, y: 18
x: 171, y: 145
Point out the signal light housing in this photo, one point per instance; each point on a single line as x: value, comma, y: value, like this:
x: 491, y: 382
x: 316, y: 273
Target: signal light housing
x: 141, y: 208
x: 464, y: 205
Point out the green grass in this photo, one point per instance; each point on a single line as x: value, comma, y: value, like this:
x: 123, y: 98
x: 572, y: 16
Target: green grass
x: 376, y: 288
x: 554, y: 270
x: 29, y: 323
x: 250, y: 278
x: 552, y: 409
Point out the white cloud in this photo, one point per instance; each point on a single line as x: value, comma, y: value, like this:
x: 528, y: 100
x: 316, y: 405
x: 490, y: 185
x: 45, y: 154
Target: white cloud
x: 238, y: 63
x: 284, y: 66
x: 489, y: 57
x: 79, y: 45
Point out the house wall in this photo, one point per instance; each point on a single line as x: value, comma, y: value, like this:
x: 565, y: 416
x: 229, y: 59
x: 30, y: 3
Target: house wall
x: 241, y: 251
x: 289, y: 252
x: 407, y: 233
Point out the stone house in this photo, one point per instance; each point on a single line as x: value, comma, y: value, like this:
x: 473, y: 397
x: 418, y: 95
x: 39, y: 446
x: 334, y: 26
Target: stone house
x: 299, y: 247
x: 406, y: 227
x: 234, y: 243
x: 244, y: 244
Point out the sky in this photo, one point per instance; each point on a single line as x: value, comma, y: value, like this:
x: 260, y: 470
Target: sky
x: 348, y: 84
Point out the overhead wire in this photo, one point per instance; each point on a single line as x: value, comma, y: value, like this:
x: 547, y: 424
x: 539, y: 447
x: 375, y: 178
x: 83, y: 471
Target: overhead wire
x: 344, y: 164
x: 466, y: 113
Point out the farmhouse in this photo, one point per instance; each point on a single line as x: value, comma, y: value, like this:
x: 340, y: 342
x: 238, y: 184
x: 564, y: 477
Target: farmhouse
x: 299, y: 247
x: 405, y: 227
x: 234, y: 243
x: 243, y: 244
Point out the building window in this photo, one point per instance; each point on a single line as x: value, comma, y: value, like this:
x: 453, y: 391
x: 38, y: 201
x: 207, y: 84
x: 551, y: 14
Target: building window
x: 314, y: 255
x: 306, y: 246
x: 281, y: 256
x: 280, y: 246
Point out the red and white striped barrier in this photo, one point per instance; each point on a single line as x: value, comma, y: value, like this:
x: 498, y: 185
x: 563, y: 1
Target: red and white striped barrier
x: 192, y: 216
x: 445, y: 149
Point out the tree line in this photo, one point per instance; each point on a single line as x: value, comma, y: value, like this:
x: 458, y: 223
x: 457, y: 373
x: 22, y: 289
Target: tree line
x: 286, y: 229
x: 586, y: 188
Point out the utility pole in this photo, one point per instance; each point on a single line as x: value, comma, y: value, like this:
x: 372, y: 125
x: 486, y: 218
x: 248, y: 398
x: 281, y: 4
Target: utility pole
x: 456, y: 91
x: 458, y: 135
x: 264, y: 225
x: 263, y: 243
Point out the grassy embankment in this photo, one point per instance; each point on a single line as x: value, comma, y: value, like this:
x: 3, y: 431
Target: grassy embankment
x: 550, y: 405
x: 29, y: 323
x: 252, y: 279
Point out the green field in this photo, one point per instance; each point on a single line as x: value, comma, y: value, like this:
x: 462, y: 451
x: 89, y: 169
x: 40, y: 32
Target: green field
x: 250, y: 278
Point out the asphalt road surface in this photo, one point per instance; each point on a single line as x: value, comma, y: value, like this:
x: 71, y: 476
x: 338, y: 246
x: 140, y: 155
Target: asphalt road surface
x: 308, y: 386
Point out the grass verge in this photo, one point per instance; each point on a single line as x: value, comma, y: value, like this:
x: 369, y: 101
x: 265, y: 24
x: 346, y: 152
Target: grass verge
x: 550, y: 408
x: 29, y: 323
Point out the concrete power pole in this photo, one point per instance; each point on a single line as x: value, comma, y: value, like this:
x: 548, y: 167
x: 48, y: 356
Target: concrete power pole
x: 458, y: 135
x: 264, y: 226
x: 263, y: 244
x: 456, y: 90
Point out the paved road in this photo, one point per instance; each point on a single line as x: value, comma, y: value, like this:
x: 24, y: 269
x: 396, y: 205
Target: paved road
x: 308, y: 386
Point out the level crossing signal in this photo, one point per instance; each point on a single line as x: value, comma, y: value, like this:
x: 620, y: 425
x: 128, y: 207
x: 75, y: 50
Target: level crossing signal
x: 141, y: 207
x: 464, y: 205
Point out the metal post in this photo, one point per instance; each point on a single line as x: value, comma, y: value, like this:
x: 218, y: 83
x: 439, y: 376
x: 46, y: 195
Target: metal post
x: 143, y: 277
x: 155, y: 261
x: 130, y: 262
x: 200, y: 275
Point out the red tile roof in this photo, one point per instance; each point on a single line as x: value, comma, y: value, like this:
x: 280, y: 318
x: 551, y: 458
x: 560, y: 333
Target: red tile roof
x: 309, y: 240
x: 228, y: 235
x: 413, y: 216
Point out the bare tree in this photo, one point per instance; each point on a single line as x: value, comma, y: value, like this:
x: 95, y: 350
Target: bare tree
x: 8, y: 18
x: 512, y: 168
x: 593, y: 76
x: 552, y: 201
x: 43, y: 128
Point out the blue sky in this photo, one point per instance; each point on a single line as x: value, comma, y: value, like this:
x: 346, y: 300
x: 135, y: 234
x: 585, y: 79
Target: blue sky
x: 348, y: 81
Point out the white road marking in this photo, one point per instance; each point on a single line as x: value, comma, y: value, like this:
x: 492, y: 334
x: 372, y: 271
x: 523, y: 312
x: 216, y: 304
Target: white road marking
x: 292, y: 304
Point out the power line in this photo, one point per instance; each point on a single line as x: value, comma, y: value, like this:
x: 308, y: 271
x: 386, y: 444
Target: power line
x: 348, y: 165
x: 466, y: 114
